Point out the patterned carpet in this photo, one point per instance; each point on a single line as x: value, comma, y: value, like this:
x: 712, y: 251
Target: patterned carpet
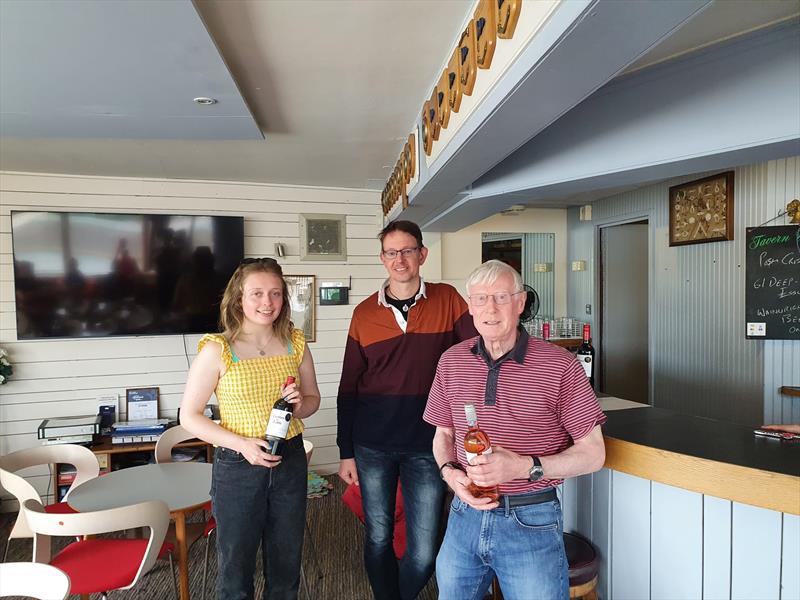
x: 332, y: 559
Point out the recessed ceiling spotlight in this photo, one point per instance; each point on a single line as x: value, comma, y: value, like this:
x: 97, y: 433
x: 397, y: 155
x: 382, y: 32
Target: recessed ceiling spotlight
x: 205, y: 101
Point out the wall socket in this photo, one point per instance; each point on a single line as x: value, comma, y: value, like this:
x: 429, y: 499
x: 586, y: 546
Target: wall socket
x: 588, y: 309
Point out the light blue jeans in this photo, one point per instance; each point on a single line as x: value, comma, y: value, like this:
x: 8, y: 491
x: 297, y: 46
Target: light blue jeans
x: 523, y: 546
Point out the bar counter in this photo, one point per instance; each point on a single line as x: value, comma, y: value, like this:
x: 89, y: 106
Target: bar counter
x: 712, y: 457
x: 687, y: 507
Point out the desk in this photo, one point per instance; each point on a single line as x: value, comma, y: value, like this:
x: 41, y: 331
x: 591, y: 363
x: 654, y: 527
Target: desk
x: 185, y: 487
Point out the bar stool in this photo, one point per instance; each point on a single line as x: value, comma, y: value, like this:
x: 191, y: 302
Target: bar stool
x: 583, y: 563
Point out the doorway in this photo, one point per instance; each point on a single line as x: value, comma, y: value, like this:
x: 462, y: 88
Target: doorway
x: 624, y: 311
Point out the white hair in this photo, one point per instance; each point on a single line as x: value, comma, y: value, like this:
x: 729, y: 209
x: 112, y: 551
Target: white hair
x: 491, y: 271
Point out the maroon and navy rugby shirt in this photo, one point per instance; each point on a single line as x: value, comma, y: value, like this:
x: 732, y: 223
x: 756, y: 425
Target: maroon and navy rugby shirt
x: 386, y: 374
x: 543, y: 401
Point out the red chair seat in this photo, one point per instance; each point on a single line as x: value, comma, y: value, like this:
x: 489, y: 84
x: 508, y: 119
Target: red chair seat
x: 352, y: 500
x: 211, y: 525
x: 166, y: 548
x: 99, y: 565
x: 60, y: 508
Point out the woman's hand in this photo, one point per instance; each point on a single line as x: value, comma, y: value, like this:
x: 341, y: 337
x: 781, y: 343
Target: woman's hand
x: 291, y: 393
x: 255, y: 451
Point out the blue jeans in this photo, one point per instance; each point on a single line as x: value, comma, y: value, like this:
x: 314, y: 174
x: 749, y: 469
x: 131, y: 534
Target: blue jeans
x: 256, y: 506
x: 523, y: 546
x: 423, y: 497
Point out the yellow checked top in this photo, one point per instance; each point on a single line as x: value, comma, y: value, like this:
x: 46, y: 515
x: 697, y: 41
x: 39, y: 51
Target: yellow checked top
x: 249, y: 387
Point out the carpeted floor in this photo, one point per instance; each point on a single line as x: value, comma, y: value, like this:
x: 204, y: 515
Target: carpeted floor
x: 332, y: 558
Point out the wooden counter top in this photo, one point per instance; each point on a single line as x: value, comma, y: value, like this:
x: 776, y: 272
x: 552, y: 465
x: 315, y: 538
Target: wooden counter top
x: 704, y: 455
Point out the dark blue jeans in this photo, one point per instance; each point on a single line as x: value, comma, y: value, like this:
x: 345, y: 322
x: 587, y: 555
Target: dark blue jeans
x: 423, y: 496
x: 259, y: 506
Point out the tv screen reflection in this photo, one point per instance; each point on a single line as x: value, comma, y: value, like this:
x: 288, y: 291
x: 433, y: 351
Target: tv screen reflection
x: 90, y: 274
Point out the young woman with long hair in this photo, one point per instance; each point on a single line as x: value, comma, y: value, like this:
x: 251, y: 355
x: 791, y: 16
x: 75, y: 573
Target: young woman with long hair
x: 259, y: 499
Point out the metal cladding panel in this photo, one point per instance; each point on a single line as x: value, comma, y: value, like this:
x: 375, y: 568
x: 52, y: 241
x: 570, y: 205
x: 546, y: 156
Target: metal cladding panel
x: 700, y: 361
x: 540, y: 248
x: 781, y: 357
x: 580, y: 284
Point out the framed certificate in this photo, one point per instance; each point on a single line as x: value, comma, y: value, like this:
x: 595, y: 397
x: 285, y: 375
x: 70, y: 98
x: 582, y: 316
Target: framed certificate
x: 141, y: 403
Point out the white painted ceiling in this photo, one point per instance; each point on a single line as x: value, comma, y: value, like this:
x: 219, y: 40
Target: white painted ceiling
x: 105, y: 88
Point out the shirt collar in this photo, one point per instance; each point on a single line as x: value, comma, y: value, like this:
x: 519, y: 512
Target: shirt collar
x: 517, y: 353
x: 382, y: 292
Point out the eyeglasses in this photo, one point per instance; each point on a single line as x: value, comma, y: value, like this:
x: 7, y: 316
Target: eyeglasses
x: 499, y: 298
x: 392, y: 254
x: 266, y: 260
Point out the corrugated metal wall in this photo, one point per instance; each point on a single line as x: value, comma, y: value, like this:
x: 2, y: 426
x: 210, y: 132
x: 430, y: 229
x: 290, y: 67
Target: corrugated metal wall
x: 700, y: 361
x: 536, y: 248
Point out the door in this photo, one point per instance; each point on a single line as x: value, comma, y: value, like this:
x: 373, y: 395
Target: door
x: 624, y: 271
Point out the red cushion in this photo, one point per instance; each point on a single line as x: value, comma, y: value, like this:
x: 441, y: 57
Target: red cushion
x: 99, y: 565
x: 352, y: 500
x: 211, y: 525
x: 61, y: 508
x: 166, y: 548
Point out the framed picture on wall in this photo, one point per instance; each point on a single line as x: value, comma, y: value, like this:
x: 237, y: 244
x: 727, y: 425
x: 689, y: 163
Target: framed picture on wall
x: 323, y: 237
x: 701, y: 210
x: 301, y: 301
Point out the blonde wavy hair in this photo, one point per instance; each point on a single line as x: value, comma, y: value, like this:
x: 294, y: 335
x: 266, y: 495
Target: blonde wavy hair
x: 231, y: 317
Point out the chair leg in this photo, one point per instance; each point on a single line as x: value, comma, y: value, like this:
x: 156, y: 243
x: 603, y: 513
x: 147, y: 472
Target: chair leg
x: 205, y: 564
x: 172, y: 574
x: 304, y: 582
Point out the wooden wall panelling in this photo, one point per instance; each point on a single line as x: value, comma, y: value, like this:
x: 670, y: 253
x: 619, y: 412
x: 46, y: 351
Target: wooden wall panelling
x: 630, y: 538
x: 676, y: 543
x: 716, y: 548
x: 756, y: 556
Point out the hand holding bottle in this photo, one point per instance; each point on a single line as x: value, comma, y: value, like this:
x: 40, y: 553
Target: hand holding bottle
x: 291, y: 393
x: 256, y: 452
x: 502, y: 465
x: 460, y: 484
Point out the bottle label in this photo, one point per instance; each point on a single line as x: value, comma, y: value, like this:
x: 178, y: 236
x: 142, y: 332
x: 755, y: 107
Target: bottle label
x: 278, y: 425
x: 586, y: 362
x: 472, y: 455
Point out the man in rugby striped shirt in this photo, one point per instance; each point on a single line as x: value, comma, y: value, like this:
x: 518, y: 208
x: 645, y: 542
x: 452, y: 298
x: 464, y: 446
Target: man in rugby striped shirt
x: 534, y: 401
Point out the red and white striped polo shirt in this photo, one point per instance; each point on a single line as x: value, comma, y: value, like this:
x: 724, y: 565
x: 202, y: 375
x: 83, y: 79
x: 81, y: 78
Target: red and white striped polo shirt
x: 542, y: 403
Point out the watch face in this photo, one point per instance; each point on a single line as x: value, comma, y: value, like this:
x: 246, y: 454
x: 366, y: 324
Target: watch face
x: 536, y: 473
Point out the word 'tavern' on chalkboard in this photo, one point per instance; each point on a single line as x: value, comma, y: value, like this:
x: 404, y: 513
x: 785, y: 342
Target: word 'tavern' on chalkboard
x: 772, y: 297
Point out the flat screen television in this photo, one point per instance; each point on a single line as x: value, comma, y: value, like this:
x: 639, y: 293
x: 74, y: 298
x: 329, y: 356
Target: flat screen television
x: 81, y: 274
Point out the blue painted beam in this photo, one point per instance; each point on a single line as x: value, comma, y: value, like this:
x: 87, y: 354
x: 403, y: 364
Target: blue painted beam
x: 583, y: 45
x: 733, y: 104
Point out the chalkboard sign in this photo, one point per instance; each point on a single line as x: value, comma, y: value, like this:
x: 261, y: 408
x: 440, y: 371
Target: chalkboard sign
x: 772, y: 297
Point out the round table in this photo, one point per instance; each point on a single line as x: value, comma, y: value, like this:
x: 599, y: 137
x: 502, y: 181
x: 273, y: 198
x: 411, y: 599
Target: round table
x: 185, y: 487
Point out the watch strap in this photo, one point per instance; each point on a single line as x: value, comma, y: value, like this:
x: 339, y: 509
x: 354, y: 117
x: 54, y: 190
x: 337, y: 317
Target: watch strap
x: 452, y: 464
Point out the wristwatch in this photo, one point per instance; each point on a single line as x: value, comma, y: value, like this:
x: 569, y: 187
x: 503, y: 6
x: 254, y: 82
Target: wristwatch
x: 536, y: 472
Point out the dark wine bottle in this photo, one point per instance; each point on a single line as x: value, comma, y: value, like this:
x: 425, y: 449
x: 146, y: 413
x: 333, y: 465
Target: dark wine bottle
x: 279, y: 419
x: 586, y: 354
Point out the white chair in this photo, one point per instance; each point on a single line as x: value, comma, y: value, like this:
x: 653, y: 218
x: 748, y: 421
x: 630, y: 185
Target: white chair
x: 99, y: 564
x: 33, y: 580
x: 194, y: 531
x: 81, y: 457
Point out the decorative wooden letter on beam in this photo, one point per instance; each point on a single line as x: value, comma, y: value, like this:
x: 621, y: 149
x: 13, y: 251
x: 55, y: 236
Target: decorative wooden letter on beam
x: 485, y: 33
x: 507, y: 17
x: 467, y: 67
x: 454, y: 81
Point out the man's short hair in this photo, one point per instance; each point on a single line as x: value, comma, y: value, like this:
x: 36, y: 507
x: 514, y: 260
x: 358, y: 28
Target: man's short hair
x: 408, y: 227
x: 491, y: 271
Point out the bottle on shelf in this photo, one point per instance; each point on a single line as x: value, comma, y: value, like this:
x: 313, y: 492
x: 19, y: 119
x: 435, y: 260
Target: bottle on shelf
x: 545, y: 331
x: 586, y: 354
x: 476, y: 442
x: 279, y: 419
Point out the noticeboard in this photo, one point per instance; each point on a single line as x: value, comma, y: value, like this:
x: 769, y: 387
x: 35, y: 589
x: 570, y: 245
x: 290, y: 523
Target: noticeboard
x: 772, y: 295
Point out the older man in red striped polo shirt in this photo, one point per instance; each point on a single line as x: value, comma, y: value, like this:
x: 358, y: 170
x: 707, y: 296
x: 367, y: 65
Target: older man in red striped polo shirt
x: 534, y: 401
